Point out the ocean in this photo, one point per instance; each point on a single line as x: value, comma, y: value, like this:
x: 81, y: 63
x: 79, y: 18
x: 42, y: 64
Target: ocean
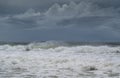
x: 57, y: 59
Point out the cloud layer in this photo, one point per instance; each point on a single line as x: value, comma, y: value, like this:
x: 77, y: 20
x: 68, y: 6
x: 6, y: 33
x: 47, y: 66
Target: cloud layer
x: 66, y: 14
x: 87, y: 16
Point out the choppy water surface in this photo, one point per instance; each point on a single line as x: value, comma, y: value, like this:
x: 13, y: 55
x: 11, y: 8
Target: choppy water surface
x: 59, y: 60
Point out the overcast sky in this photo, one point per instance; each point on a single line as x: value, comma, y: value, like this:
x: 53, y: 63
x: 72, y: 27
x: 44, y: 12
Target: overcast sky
x: 64, y: 20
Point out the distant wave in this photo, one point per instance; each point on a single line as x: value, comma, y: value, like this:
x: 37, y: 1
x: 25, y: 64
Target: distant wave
x: 62, y: 46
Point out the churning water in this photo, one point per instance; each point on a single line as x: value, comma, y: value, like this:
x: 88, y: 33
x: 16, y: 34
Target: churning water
x: 59, y: 60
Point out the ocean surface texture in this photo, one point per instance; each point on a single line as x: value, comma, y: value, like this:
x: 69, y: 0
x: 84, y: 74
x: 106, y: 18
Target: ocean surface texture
x: 52, y: 59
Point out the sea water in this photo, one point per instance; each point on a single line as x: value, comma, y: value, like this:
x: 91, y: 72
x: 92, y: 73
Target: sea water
x: 54, y: 59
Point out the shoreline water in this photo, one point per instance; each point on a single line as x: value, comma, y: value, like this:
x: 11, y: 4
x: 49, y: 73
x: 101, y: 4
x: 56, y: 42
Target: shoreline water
x: 53, y: 59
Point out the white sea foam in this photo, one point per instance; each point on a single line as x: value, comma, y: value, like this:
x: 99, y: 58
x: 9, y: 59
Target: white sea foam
x: 58, y: 60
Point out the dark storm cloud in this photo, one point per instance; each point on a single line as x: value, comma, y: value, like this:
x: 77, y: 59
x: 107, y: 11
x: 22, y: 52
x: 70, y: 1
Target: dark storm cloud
x: 84, y: 22
x: 85, y: 18
x: 84, y: 14
x: 18, y: 6
x: 108, y: 3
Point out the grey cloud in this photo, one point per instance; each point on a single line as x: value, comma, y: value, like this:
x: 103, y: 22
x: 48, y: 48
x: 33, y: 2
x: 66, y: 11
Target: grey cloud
x: 21, y: 21
x: 66, y: 15
x: 18, y: 6
x: 112, y: 24
x: 86, y: 19
x: 83, y: 22
x: 65, y: 34
x: 81, y: 9
x: 107, y: 3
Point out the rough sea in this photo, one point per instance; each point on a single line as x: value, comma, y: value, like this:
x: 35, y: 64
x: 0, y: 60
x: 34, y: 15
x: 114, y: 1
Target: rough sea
x: 52, y: 59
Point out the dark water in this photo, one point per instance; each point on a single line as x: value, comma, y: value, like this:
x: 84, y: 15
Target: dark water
x: 70, y: 43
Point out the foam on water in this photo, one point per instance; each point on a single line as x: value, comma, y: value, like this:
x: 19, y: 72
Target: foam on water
x: 59, y: 60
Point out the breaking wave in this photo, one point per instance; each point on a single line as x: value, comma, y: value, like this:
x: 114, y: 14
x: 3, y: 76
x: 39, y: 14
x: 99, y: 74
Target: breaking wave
x: 52, y: 59
x: 72, y: 46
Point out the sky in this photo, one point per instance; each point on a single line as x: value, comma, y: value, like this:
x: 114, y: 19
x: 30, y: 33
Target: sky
x: 61, y: 20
